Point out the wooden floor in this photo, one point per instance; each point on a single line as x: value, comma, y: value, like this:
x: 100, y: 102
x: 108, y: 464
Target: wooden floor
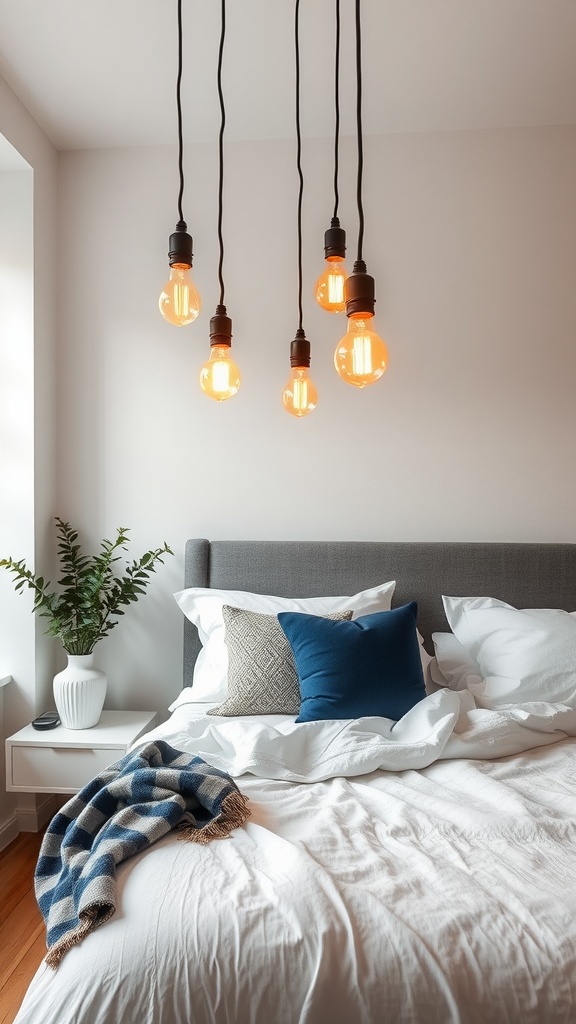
x: 22, y: 932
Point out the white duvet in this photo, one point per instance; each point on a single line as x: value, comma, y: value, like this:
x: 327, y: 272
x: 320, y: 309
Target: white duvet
x: 447, y: 724
x: 439, y: 890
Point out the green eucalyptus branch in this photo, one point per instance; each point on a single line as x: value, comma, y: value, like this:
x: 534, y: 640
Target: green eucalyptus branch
x: 91, y: 593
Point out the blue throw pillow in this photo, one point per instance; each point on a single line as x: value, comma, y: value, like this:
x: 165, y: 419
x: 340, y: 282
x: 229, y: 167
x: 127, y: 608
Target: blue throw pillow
x: 368, y: 666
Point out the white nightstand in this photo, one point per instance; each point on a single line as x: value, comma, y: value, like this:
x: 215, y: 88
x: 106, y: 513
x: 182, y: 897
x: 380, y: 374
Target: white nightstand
x: 63, y: 760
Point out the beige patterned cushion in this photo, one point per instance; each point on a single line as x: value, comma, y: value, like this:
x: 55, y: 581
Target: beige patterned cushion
x: 262, y: 677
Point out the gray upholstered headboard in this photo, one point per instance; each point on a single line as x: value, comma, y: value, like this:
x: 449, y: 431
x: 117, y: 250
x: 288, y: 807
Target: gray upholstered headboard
x: 524, y: 575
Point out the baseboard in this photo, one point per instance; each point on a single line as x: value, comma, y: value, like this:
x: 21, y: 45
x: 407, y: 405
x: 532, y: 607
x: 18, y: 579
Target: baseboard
x: 34, y: 818
x: 8, y: 831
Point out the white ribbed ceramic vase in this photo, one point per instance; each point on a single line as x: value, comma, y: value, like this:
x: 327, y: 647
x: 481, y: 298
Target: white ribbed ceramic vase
x: 79, y: 692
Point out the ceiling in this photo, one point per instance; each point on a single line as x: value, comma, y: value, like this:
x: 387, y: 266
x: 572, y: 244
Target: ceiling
x: 101, y: 73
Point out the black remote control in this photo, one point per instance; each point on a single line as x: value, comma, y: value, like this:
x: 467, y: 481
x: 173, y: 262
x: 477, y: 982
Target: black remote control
x: 49, y: 720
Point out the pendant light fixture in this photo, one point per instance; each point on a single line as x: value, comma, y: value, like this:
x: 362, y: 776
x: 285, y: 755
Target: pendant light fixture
x: 300, y: 395
x: 220, y: 377
x: 361, y: 356
x: 179, y: 300
x: 330, y: 284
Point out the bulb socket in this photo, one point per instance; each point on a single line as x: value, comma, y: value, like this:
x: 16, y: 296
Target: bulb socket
x: 334, y: 240
x: 221, y: 328
x: 359, y: 291
x: 300, y: 350
x: 180, y: 245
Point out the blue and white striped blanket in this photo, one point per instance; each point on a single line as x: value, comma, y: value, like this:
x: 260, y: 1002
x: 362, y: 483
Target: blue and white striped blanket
x: 121, y: 812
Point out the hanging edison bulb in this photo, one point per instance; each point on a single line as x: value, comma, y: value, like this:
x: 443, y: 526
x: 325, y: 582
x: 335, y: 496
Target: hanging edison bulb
x: 220, y: 376
x: 361, y: 357
x: 179, y: 300
x: 330, y: 284
x: 300, y: 396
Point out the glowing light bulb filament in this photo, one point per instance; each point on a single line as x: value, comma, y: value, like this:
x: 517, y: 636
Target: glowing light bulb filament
x: 362, y: 356
x: 181, y: 294
x: 300, y: 400
x: 335, y: 289
x: 220, y: 376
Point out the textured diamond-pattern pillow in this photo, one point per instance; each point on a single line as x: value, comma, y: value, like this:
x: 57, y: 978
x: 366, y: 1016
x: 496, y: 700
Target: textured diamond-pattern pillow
x: 262, y: 677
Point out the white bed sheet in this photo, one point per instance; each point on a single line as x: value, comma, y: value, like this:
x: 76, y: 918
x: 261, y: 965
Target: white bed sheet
x: 442, y: 894
x: 446, y: 724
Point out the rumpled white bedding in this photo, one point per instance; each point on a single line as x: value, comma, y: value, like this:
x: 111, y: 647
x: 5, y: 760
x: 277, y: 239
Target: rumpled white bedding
x: 438, y: 891
x: 446, y: 724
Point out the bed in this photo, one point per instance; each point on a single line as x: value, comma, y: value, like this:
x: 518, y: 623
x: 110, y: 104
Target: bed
x: 413, y: 872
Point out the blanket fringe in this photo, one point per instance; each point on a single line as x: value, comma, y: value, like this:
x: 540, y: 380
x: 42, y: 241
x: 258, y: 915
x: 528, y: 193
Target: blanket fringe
x: 91, y: 917
x: 233, y: 815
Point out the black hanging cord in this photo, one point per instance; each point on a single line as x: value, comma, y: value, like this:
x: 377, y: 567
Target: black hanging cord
x: 299, y: 158
x: 179, y: 108
x: 221, y: 150
x: 359, y: 132
x: 337, y: 109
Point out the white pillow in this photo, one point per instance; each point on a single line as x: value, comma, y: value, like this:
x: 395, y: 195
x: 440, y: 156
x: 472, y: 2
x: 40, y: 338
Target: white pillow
x: 204, y: 608
x: 524, y: 655
x: 452, y: 665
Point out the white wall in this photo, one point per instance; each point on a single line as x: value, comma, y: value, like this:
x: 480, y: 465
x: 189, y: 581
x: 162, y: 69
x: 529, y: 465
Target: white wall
x: 16, y: 438
x: 471, y: 237
x: 16, y: 410
x: 27, y: 425
x: 25, y: 635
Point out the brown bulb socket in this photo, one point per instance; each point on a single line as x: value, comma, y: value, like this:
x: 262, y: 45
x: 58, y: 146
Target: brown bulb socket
x: 359, y: 291
x: 221, y: 328
x: 299, y: 350
x: 334, y: 240
x: 180, y: 245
